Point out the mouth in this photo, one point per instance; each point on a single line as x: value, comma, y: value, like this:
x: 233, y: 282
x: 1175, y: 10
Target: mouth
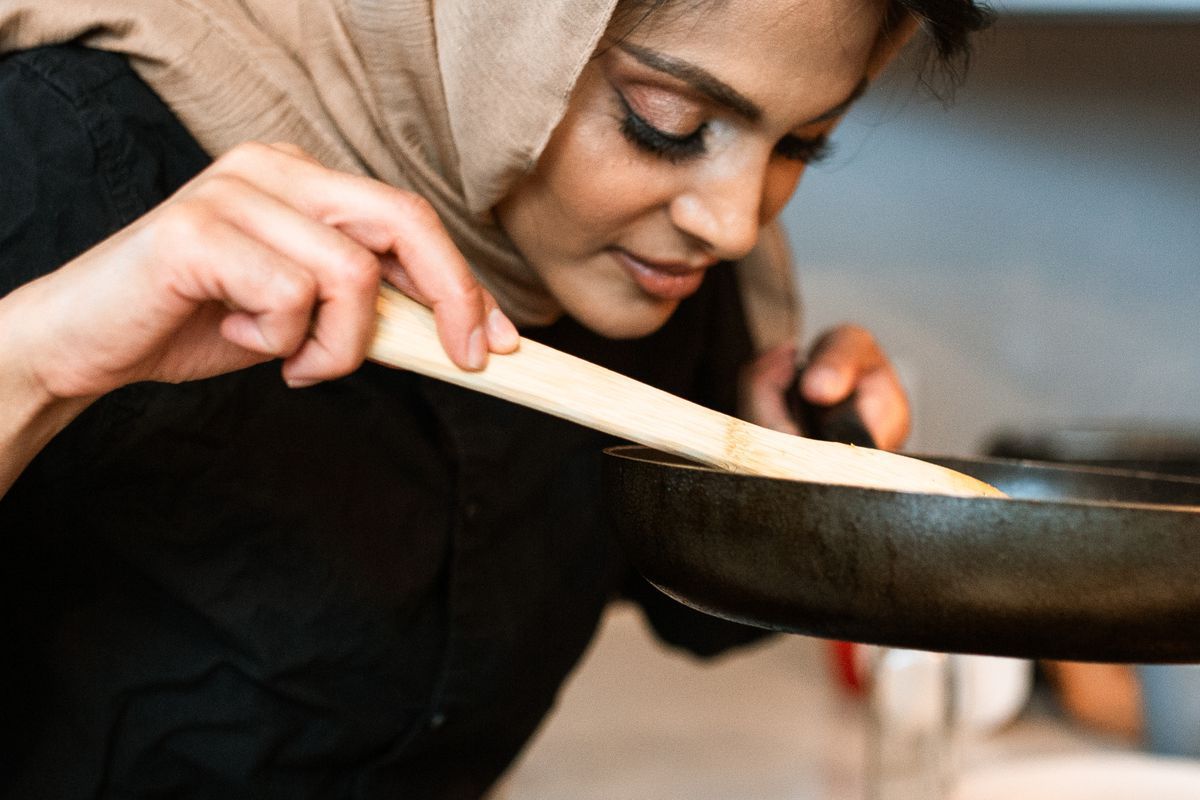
x: 664, y: 280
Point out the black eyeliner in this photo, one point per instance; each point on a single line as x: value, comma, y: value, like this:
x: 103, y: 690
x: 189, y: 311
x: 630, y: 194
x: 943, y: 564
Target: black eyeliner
x: 675, y: 149
x: 657, y: 142
x: 810, y: 151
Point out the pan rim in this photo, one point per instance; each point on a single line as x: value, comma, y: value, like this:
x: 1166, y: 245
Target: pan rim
x: 630, y: 452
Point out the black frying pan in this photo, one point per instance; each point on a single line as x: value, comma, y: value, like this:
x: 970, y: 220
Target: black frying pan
x: 1081, y: 564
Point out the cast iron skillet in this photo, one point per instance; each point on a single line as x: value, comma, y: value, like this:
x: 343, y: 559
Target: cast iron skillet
x: 1080, y: 564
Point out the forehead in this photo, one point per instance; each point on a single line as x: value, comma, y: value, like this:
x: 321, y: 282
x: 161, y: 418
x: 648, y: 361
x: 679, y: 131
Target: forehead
x: 790, y: 57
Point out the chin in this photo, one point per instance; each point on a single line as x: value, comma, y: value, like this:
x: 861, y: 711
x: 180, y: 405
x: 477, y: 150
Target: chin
x: 630, y: 321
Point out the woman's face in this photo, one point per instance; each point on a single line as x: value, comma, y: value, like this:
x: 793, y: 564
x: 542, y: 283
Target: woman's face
x: 679, y: 142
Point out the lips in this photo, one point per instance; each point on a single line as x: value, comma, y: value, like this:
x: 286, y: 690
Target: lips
x: 665, y: 280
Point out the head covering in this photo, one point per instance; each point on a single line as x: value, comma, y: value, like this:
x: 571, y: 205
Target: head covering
x: 451, y: 99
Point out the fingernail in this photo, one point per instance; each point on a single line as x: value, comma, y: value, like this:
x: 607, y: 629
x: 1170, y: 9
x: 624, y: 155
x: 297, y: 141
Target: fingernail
x: 477, y: 349
x: 502, y: 334
x: 300, y: 383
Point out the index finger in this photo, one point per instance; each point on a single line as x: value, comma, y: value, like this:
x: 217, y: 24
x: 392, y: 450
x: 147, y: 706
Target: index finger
x: 386, y: 220
x: 423, y: 249
x: 837, y: 363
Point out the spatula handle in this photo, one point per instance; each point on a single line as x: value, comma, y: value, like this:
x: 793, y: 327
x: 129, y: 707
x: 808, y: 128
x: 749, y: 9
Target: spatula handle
x: 560, y: 384
x: 548, y: 380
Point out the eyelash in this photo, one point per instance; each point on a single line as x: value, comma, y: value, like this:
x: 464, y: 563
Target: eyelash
x: 676, y: 149
x: 658, y: 142
x: 810, y: 151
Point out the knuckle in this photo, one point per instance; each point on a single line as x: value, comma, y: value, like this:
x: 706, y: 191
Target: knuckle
x: 294, y: 290
x: 358, y: 268
x: 467, y: 289
x: 462, y: 293
x: 198, y: 218
x: 241, y: 157
x: 225, y: 185
x: 415, y: 208
x: 188, y: 224
x: 251, y: 151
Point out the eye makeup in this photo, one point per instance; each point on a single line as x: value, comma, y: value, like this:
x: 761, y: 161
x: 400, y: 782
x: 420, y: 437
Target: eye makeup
x: 678, y: 148
x: 651, y: 139
x: 809, y: 149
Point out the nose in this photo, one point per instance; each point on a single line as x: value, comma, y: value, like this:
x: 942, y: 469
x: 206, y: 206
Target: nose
x: 724, y: 211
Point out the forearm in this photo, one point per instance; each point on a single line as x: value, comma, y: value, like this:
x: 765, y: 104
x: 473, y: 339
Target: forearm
x: 29, y: 416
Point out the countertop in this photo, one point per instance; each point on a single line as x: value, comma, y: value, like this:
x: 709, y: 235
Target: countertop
x: 640, y: 721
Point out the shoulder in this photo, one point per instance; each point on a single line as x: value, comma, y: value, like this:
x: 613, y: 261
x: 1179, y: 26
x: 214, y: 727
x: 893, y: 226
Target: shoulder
x: 86, y: 147
x: 69, y: 72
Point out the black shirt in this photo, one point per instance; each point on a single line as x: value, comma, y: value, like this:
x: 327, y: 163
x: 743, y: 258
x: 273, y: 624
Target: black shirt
x: 370, y: 588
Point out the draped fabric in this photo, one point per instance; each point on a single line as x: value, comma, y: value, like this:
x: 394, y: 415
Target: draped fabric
x: 451, y: 99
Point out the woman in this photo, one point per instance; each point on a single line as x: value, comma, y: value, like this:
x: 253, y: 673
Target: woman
x: 373, y: 586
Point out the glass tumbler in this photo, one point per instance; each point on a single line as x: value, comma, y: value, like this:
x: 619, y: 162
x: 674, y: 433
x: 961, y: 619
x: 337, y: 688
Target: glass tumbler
x: 911, y: 746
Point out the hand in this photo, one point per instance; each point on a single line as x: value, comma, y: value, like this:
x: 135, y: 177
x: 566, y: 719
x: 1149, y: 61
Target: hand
x: 266, y: 254
x: 844, y: 360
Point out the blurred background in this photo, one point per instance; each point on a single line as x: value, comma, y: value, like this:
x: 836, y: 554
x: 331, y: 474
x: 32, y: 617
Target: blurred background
x: 1029, y: 255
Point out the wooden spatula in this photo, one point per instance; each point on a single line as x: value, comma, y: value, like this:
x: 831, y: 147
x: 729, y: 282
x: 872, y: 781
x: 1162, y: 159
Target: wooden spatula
x: 554, y: 382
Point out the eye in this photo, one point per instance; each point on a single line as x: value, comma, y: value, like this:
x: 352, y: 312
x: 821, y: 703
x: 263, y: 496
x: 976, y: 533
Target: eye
x: 810, y: 150
x: 670, y: 146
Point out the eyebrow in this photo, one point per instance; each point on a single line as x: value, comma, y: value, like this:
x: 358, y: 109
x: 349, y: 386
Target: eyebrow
x: 720, y: 92
x: 855, y: 93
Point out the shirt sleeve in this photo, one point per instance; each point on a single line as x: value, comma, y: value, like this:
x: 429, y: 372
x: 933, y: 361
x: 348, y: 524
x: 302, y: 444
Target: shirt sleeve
x: 85, y: 149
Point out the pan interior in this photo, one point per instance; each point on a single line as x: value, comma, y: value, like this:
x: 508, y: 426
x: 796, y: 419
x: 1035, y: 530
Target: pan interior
x: 1024, y: 480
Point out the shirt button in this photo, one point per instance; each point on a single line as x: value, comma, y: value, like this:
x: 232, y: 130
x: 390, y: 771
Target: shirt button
x: 436, y: 720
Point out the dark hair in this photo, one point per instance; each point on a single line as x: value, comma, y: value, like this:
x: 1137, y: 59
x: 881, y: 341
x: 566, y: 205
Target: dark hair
x: 948, y: 24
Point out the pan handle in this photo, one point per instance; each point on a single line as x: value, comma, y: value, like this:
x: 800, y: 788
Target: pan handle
x: 839, y: 422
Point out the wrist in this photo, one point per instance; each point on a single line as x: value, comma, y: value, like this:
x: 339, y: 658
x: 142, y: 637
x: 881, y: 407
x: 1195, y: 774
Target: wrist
x: 32, y: 415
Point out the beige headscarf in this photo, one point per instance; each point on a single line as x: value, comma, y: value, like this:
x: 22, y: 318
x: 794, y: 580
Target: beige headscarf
x: 451, y: 99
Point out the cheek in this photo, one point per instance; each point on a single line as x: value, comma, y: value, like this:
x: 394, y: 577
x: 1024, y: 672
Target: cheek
x: 780, y: 184
x: 596, y: 186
